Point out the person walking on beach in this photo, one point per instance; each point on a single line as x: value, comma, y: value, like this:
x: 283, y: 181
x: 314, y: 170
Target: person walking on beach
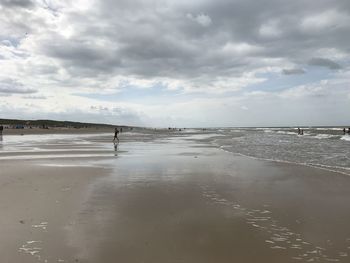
x: 298, y: 131
x: 116, y: 135
x: 344, y: 132
x: 1, y: 129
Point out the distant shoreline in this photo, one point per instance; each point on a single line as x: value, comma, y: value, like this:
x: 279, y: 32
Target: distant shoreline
x: 53, y: 123
x: 57, y: 130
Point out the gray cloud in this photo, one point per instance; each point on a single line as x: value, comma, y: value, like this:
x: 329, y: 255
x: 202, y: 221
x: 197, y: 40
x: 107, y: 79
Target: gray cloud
x: 324, y: 62
x: 161, y: 39
x: 121, y: 114
x: 16, y: 3
x: 10, y: 86
x: 35, y: 97
x: 293, y: 71
x: 16, y: 90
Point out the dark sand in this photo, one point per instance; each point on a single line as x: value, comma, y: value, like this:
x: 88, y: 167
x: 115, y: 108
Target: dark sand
x: 171, y: 201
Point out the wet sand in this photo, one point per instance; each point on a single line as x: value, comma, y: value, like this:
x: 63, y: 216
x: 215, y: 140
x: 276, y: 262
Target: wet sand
x: 169, y: 200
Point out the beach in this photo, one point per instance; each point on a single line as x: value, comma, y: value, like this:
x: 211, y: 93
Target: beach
x: 163, y: 196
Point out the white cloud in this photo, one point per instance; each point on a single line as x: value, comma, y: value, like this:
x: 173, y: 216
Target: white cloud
x: 304, y: 91
x: 327, y: 20
x: 240, y: 49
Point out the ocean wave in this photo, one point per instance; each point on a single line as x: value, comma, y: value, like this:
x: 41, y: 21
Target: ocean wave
x: 329, y: 129
x: 236, y: 130
x: 329, y: 168
x: 345, y: 138
x: 287, y: 132
x: 266, y: 129
x: 326, y: 136
x: 322, y: 150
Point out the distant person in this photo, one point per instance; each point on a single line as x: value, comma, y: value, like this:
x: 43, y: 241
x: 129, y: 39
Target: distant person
x: 299, y: 131
x: 302, y: 132
x: 348, y: 130
x: 121, y: 130
x: 344, y: 132
x: 1, y: 129
x: 116, y: 135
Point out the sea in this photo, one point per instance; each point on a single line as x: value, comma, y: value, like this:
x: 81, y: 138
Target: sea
x: 322, y: 147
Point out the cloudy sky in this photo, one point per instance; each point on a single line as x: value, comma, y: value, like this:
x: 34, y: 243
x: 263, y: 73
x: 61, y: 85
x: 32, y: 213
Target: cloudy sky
x: 176, y: 62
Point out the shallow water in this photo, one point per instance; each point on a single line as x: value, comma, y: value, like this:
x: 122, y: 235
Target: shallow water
x: 326, y: 148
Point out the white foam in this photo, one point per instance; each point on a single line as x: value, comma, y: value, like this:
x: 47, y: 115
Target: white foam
x: 33, y: 241
x: 345, y: 138
x: 26, y: 248
x: 278, y: 247
x: 268, y: 130
x: 329, y: 168
x: 289, y: 133
x: 204, y: 136
x: 326, y: 129
x: 42, y: 225
x: 236, y: 130
x: 325, y: 136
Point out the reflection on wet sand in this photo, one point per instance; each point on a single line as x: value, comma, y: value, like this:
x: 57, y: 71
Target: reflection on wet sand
x: 166, y: 205
x: 173, y: 200
x: 116, y: 144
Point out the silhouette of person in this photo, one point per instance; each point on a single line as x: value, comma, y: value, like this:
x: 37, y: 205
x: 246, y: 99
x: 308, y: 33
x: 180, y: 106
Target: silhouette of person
x: 344, y: 131
x: 116, y: 135
x: 298, y: 131
x: 1, y: 129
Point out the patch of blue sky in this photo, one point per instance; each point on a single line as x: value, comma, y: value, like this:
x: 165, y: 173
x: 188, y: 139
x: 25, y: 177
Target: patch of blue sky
x: 160, y: 94
x: 277, y: 82
x: 154, y: 94
x: 10, y: 41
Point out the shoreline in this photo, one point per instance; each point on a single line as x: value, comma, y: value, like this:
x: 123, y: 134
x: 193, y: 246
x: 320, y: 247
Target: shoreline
x: 315, y: 166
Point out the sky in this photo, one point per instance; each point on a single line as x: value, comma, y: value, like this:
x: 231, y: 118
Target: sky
x: 178, y: 63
